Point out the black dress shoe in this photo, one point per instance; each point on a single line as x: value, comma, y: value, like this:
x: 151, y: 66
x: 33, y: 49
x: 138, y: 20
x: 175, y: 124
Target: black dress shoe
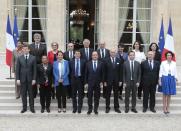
x: 117, y: 110
x: 74, y: 111
x: 153, y: 110
x: 96, y: 112
x: 48, y: 110
x: 120, y: 97
x: 32, y: 110
x: 107, y: 110
x: 42, y: 110
x: 89, y: 112
x: 144, y: 110
x: 126, y: 110
x: 79, y: 111
x: 134, y: 110
x: 23, y: 111
x: 139, y: 97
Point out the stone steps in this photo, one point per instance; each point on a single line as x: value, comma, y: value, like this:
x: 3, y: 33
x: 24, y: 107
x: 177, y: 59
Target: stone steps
x: 10, y: 105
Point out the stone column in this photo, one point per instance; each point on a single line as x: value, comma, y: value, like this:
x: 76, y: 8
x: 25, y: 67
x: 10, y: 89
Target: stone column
x: 56, y: 12
x: 108, y: 25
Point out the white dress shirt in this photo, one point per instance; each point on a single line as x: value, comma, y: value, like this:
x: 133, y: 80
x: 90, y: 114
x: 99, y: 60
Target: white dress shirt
x: 168, y: 68
x: 139, y: 56
x: 60, y: 68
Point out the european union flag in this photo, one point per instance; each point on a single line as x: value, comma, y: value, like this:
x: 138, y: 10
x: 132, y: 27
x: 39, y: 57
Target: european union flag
x: 161, y: 42
x: 15, y: 31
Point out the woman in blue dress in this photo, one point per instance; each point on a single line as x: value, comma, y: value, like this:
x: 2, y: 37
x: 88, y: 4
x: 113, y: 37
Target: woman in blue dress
x: 168, y: 79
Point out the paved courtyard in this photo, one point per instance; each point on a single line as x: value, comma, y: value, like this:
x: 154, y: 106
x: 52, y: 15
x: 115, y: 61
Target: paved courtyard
x: 91, y: 123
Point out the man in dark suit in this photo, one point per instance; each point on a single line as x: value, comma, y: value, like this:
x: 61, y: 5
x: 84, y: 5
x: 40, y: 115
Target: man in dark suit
x: 26, y: 77
x: 102, y: 51
x: 94, y: 78
x: 86, y: 52
x: 69, y: 54
x: 103, y: 54
x: 131, y: 80
x: 44, y: 80
x: 37, y: 49
x: 150, y: 75
x: 123, y: 56
x: 77, y: 73
x: 113, y: 78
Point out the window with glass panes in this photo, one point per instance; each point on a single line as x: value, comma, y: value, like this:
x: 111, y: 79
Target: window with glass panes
x: 134, y: 22
x: 34, y: 12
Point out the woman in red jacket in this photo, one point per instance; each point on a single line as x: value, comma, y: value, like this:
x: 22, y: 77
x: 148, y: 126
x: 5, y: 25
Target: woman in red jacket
x: 52, y: 56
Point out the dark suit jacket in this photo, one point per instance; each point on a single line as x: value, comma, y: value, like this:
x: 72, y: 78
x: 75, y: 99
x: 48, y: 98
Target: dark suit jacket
x: 38, y: 53
x: 106, y: 53
x: 42, y: 74
x: 26, y: 72
x: 83, y: 55
x: 123, y: 58
x: 66, y: 55
x: 82, y: 68
x: 127, y: 72
x: 91, y: 77
x: 150, y: 76
x: 113, y: 73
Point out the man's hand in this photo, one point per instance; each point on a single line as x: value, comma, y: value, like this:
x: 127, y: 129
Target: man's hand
x: 105, y: 83
x: 101, y: 84
x: 86, y: 87
x: 60, y: 81
x: 137, y: 84
x: 124, y: 85
x: 38, y: 85
x: 18, y: 82
x: 159, y: 82
x: 120, y: 83
x: 33, y: 82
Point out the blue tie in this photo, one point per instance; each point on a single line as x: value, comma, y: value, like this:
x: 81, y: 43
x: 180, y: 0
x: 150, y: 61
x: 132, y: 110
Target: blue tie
x: 94, y: 66
x: 77, y: 68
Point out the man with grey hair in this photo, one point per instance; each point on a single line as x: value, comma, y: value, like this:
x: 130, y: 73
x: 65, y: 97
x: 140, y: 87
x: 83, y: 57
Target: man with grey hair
x: 86, y: 52
x: 69, y: 55
x: 103, y: 54
x: 38, y: 50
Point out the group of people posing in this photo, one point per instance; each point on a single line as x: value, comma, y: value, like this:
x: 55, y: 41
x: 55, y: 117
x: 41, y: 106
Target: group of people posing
x: 84, y: 73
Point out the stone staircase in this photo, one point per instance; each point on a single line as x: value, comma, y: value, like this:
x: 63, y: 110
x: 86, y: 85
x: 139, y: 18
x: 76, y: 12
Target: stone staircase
x: 10, y: 106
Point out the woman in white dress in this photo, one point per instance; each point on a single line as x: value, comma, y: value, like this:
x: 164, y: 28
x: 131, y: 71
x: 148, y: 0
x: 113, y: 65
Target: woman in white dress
x: 168, y: 80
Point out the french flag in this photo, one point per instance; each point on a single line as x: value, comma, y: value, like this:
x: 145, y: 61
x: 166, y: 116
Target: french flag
x: 169, y: 42
x: 10, y: 46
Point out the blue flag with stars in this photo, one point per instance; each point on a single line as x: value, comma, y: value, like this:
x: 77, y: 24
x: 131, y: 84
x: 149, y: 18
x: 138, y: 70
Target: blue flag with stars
x: 15, y: 31
x: 161, y: 42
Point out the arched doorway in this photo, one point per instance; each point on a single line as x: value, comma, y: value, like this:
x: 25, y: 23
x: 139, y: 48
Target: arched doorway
x: 82, y: 22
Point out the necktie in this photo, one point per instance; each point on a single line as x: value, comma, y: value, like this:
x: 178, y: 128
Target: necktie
x: 132, y: 70
x: 113, y: 62
x: 77, y: 68
x: 87, y: 53
x: 26, y: 58
x: 102, y: 53
x: 95, y: 66
x: 36, y: 46
x: 150, y: 65
x: 71, y: 55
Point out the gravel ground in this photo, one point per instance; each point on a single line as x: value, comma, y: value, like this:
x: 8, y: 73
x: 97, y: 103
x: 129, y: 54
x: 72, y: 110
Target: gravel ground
x: 91, y: 123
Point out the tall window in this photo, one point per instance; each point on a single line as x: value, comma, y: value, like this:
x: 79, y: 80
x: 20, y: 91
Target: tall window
x: 134, y: 22
x: 31, y: 17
